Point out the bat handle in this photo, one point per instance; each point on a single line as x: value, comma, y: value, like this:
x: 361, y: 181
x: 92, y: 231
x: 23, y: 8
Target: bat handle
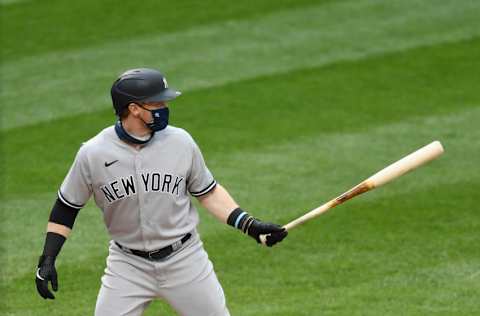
x: 263, y: 239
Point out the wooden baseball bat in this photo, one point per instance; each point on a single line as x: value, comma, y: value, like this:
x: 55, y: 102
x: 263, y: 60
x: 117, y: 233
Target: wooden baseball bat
x: 393, y: 171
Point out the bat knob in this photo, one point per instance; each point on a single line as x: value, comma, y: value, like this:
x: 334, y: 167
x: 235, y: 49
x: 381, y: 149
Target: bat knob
x: 263, y: 239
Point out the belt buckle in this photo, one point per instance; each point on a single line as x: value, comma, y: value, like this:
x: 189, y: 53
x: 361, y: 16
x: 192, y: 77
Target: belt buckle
x: 177, y: 245
x: 150, y: 253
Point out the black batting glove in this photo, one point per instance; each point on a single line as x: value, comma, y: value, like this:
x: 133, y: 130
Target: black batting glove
x: 254, y: 227
x: 46, y: 272
x: 274, y: 233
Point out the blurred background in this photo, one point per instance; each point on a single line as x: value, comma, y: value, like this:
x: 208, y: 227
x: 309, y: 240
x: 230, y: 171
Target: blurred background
x: 292, y: 103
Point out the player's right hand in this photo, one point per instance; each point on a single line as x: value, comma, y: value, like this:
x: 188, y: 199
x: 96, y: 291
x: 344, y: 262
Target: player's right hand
x: 274, y: 233
x: 46, y: 272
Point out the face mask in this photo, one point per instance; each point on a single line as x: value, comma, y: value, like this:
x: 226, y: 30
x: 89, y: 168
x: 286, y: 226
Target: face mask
x: 160, y: 119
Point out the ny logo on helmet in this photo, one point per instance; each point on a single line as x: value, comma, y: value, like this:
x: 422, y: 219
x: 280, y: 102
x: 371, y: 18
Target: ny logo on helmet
x: 165, y: 83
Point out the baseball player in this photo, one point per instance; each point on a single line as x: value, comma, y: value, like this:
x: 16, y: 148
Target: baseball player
x: 141, y: 173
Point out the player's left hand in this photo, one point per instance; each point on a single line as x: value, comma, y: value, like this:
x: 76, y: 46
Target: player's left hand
x: 46, y: 272
x: 274, y: 233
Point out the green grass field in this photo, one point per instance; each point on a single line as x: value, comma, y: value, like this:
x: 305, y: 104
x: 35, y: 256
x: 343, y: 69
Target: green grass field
x: 292, y: 103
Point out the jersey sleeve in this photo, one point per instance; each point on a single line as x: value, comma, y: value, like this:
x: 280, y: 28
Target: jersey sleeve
x: 200, y: 180
x: 76, y: 188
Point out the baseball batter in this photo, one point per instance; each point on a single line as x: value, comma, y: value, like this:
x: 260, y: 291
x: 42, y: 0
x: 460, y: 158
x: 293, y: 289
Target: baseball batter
x: 141, y: 173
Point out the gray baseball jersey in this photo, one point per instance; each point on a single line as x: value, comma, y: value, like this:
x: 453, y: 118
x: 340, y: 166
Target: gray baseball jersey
x: 143, y: 193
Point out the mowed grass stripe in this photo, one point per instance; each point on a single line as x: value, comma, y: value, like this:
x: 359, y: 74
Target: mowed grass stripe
x: 428, y: 291
x: 345, y: 97
x: 336, y: 162
x: 85, y: 23
x: 11, y: 2
x: 290, y: 178
x: 67, y: 83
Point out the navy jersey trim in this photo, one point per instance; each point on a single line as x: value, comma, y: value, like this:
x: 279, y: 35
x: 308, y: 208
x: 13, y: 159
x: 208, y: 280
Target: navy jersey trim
x: 206, y: 190
x: 66, y: 202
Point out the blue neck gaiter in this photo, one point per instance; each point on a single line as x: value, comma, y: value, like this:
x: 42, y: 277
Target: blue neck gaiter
x: 123, y: 135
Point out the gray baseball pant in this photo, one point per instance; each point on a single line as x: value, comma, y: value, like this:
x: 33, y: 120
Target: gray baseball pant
x: 185, y: 279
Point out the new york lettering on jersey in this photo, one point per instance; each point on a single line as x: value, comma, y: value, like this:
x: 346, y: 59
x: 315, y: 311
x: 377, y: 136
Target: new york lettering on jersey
x: 124, y: 187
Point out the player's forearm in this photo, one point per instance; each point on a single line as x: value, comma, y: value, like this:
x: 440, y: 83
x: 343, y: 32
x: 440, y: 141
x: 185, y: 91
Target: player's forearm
x: 60, y: 224
x: 219, y: 203
x: 59, y: 229
x: 56, y: 236
x: 61, y: 220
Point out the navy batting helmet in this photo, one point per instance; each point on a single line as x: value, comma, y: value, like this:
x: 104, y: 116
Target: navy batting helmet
x: 140, y: 85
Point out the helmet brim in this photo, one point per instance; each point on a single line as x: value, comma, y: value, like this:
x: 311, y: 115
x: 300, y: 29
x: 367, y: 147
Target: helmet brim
x: 165, y: 95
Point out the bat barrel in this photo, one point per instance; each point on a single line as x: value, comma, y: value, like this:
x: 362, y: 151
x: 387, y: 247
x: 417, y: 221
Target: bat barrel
x: 406, y: 164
